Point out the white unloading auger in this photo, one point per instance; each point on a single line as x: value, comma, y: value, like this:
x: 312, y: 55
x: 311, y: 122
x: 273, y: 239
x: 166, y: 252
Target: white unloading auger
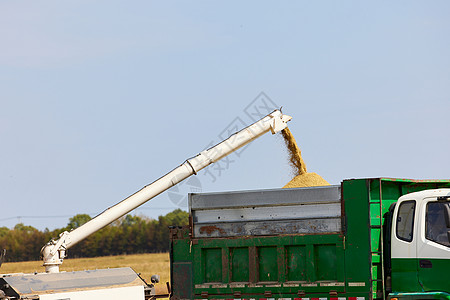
x: 53, y: 252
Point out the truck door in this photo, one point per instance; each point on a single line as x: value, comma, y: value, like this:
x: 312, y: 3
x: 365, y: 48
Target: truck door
x: 403, y: 247
x: 433, y: 246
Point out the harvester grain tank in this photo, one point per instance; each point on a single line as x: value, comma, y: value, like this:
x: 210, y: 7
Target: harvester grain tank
x: 377, y: 238
x: 120, y: 283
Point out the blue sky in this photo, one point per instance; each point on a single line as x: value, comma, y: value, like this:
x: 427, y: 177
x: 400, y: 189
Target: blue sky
x: 98, y: 99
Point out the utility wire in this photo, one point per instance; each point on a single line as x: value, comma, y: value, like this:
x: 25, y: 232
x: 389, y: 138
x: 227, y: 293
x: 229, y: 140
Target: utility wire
x: 70, y: 216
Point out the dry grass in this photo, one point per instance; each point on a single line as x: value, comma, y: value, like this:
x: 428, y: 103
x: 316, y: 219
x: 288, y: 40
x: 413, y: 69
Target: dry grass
x: 145, y: 264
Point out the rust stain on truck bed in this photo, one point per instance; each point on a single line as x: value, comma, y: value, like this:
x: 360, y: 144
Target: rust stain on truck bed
x: 209, y: 229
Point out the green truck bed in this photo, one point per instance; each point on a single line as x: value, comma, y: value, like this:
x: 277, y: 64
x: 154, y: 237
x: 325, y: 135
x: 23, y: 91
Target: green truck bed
x: 308, y: 243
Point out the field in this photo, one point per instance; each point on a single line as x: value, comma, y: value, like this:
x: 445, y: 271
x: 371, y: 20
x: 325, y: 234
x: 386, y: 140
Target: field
x: 145, y: 264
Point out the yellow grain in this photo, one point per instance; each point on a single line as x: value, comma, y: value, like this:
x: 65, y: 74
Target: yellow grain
x: 302, y: 178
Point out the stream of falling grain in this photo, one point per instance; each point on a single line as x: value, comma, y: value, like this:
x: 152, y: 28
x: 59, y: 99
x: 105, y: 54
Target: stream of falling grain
x: 302, y: 178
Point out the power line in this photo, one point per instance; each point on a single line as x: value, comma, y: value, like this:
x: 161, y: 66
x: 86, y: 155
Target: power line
x: 70, y: 216
x: 34, y: 217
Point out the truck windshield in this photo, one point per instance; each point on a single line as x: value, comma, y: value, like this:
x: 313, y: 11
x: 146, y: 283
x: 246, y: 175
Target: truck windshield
x: 437, y: 225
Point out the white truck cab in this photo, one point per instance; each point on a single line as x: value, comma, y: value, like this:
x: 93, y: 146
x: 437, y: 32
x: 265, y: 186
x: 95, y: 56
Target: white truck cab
x: 420, y: 241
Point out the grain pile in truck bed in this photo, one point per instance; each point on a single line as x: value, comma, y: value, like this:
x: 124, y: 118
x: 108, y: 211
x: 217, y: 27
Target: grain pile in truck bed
x: 302, y: 177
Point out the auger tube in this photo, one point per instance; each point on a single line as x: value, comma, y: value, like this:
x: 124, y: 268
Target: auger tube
x: 53, y: 252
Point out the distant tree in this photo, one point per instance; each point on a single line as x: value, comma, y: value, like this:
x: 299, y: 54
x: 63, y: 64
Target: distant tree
x: 177, y: 217
x: 22, y: 242
x: 78, y: 220
x: 3, y: 231
x: 130, y: 234
x: 130, y: 220
x: 24, y: 228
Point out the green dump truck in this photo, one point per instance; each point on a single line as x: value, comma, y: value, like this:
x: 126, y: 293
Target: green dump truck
x: 377, y: 238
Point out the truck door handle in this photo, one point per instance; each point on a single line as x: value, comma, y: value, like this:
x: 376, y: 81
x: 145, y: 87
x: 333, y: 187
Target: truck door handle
x: 425, y: 263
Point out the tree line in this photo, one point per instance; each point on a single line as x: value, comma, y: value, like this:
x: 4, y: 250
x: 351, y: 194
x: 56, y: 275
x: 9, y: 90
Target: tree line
x: 128, y: 235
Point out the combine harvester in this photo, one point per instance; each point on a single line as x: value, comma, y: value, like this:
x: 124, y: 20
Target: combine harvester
x: 121, y: 283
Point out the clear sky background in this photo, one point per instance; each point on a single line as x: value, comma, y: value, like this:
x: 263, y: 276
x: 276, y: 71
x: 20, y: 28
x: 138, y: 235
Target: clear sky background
x: 100, y: 98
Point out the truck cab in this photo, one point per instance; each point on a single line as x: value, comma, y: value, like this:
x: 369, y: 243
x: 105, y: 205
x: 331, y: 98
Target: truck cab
x: 420, y: 242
